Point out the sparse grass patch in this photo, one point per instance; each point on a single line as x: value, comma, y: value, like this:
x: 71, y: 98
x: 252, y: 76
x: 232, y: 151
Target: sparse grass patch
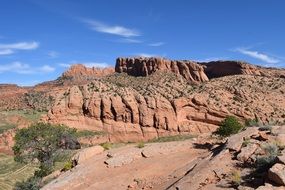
x: 140, y: 145
x: 107, y: 145
x: 31, y: 115
x: 172, y: 138
x: 6, y: 126
x: 12, y: 172
x: 235, y: 177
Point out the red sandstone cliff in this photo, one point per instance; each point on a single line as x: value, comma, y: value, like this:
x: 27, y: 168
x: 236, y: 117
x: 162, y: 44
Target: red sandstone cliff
x: 142, y: 66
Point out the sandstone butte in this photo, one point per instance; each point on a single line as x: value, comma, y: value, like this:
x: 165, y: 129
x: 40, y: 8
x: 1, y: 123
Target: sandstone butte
x: 151, y: 97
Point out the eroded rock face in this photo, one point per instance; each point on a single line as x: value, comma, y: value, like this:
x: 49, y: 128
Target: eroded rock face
x: 130, y: 116
x: 142, y: 66
x: 79, y: 72
x: 140, y: 108
x: 216, y: 69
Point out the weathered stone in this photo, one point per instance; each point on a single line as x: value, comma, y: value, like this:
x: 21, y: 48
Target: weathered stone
x: 235, y: 141
x: 246, y: 152
x: 87, y: 153
x: 277, y: 174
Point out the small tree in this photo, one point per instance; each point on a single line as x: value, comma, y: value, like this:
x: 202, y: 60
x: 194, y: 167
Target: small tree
x: 230, y: 125
x: 42, y: 142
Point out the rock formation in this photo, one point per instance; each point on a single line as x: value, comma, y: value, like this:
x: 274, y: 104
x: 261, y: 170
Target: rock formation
x: 79, y: 72
x: 141, y: 108
x: 142, y: 66
x: 216, y: 69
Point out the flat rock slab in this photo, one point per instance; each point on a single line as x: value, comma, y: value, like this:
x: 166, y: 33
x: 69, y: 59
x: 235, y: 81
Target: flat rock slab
x: 235, y: 141
x: 165, y: 148
x: 122, y: 158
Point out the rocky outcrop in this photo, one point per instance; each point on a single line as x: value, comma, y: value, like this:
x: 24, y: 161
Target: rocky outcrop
x: 142, y: 66
x: 216, y: 69
x: 133, y: 109
x: 79, y: 72
x: 130, y: 116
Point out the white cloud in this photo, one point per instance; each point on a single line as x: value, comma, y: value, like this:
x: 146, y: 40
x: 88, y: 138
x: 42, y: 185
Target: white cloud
x: 147, y: 55
x: 53, y: 54
x: 129, y: 40
x: 20, y: 45
x: 7, y: 49
x: 21, y: 68
x: 156, y: 44
x: 66, y: 65
x: 95, y: 64
x: 115, y: 29
x: 257, y: 55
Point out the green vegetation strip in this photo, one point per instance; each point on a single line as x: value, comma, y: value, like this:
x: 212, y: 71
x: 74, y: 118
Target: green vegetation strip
x: 172, y: 138
x: 12, y: 172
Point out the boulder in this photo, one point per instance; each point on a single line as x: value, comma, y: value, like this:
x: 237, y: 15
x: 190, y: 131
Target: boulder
x: 246, y: 152
x: 277, y: 174
x: 235, y: 141
x: 87, y: 153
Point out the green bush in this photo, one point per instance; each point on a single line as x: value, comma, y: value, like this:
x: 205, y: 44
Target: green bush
x: 230, y: 125
x: 33, y: 183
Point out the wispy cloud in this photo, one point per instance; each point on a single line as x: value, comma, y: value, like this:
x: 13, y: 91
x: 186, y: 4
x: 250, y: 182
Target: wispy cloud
x: 87, y: 64
x: 129, y: 41
x: 21, y: 68
x: 156, y: 44
x: 258, y: 55
x: 7, y: 49
x: 212, y: 59
x: 146, y: 55
x: 20, y: 45
x: 53, y: 54
x: 112, y: 29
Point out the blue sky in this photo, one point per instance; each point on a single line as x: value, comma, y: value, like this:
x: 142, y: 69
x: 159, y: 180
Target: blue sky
x: 39, y: 39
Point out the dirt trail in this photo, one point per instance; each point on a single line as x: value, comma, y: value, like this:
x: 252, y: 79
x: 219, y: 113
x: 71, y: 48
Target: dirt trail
x: 155, y: 166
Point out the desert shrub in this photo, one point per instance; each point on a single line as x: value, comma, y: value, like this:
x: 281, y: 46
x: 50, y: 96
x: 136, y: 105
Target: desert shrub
x: 267, y: 160
x: 252, y: 123
x: 106, y: 145
x: 67, y: 166
x: 33, y: 183
x: 230, y: 125
x: 265, y: 128
x: 235, y: 177
x: 140, y: 145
